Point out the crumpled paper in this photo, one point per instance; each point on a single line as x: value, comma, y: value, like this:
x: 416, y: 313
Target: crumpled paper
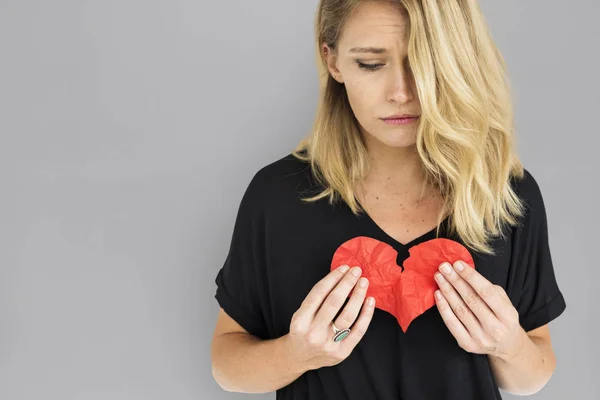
x: 405, y: 292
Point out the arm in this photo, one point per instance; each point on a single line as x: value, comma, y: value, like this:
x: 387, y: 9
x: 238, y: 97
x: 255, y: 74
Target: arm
x: 246, y: 364
x: 483, y: 320
x: 527, y: 370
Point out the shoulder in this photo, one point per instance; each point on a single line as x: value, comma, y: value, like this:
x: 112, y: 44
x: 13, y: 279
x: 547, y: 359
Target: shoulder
x: 285, y: 169
x: 278, y: 179
x: 527, y: 186
x: 529, y: 191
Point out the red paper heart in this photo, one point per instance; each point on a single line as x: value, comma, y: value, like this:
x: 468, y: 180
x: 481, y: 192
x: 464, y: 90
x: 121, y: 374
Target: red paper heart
x: 405, y: 293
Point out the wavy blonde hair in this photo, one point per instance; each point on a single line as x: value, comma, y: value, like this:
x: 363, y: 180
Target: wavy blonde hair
x: 465, y: 138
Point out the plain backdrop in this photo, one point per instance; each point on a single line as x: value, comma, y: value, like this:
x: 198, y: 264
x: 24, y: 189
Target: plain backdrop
x: 130, y: 129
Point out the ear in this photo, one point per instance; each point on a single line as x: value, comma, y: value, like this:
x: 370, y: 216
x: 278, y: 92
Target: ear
x: 332, y: 59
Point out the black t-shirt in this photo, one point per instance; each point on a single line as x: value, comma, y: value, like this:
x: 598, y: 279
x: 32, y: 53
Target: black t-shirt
x: 281, y: 247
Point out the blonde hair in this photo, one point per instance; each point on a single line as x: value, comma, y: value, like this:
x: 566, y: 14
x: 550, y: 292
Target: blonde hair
x: 465, y: 138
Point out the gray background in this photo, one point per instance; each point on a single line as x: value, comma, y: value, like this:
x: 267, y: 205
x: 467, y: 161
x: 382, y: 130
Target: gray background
x: 129, y: 131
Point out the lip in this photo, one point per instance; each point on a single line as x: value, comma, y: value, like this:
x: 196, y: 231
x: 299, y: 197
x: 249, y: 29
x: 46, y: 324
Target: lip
x: 401, y: 121
x: 400, y: 116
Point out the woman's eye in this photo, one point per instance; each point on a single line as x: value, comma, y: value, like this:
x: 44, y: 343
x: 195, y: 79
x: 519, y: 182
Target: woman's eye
x: 369, y: 67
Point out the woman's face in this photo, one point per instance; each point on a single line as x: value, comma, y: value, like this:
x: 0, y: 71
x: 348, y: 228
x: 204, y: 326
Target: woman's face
x: 379, y: 83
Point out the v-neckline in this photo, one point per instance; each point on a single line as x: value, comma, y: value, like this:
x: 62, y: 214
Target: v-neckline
x: 397, y: 243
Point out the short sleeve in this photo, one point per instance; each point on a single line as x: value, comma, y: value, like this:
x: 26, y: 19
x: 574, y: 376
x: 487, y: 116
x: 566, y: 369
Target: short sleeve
x: 241, y: 281
x: 536, y: 294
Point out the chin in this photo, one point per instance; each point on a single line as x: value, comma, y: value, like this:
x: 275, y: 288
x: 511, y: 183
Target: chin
x: 400, y: 145
x: 397, y: 137
x: 400, y: 139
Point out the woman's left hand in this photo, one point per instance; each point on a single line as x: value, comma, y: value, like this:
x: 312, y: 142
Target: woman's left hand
x: 478, y: 313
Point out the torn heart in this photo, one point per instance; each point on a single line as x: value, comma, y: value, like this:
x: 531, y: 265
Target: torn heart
x: 405, y: 292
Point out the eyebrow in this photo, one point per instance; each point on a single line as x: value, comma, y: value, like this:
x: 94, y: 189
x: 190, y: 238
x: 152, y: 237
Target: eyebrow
x: 374, y: 50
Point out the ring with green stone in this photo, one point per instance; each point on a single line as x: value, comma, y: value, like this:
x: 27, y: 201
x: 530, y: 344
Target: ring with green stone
x: 340, y: 334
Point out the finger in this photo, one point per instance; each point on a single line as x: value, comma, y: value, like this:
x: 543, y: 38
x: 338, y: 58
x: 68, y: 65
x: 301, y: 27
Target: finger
x: 336, y: 298
x: 359, y: 329
x: 458, y: 307
x: 469, y: 295
x: 492, y: 295
x: 311, y: 303
x: 352, y: 308
x: 463, y: 337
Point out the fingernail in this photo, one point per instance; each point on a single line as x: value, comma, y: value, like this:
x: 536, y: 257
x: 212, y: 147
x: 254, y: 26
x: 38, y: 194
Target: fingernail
x: 344, y: 268
x: 446, y: 268
x: 459, y: 266
x: 356, y: 271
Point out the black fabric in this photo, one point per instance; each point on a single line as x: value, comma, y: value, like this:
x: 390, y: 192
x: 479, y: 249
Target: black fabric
x: 281, y: 247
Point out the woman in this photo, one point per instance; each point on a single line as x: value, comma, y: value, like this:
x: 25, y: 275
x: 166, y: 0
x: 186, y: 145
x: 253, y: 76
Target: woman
x: 303, y: 327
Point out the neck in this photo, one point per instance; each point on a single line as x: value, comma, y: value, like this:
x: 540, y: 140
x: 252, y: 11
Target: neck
x: 396, y: 175
x: 395, y: 168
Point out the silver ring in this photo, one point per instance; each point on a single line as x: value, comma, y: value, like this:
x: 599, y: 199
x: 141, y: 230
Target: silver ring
x: 339, y: 334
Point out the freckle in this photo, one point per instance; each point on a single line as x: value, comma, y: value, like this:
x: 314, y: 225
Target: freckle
x: 377, y: 197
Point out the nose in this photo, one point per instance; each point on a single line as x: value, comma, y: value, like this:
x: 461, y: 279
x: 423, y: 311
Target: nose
x: 401, y: 90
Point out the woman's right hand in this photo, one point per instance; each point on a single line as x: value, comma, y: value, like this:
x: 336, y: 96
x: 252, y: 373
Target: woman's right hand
x: 310, y: 339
